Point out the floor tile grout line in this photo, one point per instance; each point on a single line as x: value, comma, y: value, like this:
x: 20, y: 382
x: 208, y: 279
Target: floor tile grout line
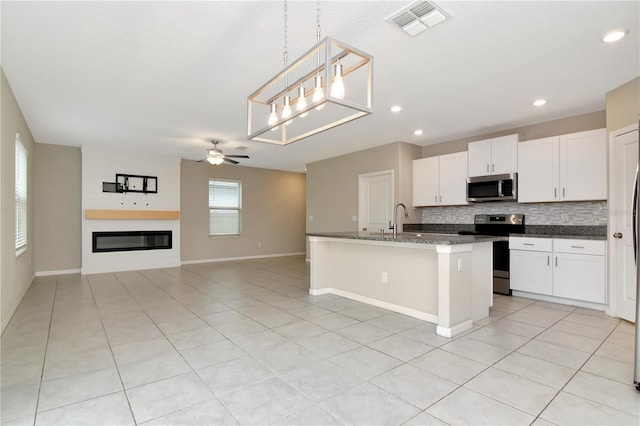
x: 124, y: 392
x: 469, y: 333
x: 44, y: 359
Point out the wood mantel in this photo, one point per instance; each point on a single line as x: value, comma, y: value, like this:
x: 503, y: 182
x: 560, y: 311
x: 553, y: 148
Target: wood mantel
x: 132, y: 214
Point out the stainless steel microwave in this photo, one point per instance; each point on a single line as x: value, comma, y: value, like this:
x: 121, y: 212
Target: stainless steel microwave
x: 492, y: 188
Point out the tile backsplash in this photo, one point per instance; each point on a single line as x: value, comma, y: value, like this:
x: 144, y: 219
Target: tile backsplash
x: 591, y: 213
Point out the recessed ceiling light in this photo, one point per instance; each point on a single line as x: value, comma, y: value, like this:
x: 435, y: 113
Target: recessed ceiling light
x: 614, y: 35
x: 539, y: 102
x: 418, y: 132
x: 396, y: 108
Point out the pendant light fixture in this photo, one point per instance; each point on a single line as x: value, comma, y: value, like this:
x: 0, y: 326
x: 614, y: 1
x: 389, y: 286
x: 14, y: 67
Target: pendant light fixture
x: 335, y: 76
x: 301, y: 103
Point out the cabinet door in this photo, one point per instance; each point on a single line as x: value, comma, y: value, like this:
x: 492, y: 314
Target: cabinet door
x: 531, y: 271
x: 504, y: 155
x: 425, y: 181
x: 480, y: 158
x: 579, y: 277
x: 538, y: 170
x: 453, y: 179
x: 583, y: 166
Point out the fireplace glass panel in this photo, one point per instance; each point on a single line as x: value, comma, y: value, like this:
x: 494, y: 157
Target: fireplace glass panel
x: 131, y: 240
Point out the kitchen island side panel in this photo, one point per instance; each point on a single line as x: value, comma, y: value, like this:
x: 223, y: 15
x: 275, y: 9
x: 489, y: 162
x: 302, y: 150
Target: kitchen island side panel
x: 357, y: 268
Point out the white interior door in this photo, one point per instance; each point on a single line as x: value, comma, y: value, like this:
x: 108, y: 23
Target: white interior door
x: 624, y: 160
x: 376, y: 201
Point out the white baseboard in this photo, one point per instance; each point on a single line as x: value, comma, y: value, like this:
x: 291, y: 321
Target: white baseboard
x: 229, y: 259
x: 59, y: 272
x: 375, y: 302
x: 455, y: 330
x: 560, y: 300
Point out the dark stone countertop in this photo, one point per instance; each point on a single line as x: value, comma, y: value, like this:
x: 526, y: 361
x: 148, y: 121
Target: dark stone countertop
x: 411, y: 237
x: 534, y: 231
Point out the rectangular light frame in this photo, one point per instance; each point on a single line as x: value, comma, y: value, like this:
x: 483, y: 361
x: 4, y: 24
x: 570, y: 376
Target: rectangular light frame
x: 329, y: 51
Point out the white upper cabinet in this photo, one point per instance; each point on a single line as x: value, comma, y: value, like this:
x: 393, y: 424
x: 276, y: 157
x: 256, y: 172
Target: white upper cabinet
x: 583, y: 166
x: 453, y: 179
x: 425, y: 182
x: 538, y: 171
x: 570, y: 167
x: 440, y: 181
x: 493, y: 156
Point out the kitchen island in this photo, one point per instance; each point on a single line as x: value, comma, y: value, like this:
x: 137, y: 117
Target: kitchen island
x: 440, y: 278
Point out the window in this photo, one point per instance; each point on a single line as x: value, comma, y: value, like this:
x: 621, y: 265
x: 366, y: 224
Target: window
x: 225, y: 207
x: 21, y: 196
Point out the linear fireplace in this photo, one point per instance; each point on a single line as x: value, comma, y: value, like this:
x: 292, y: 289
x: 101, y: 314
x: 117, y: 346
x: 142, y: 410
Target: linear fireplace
x: 131, y: 240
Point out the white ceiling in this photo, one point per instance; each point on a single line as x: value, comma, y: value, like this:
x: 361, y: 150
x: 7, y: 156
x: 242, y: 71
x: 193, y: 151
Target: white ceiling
x: 170, y: 76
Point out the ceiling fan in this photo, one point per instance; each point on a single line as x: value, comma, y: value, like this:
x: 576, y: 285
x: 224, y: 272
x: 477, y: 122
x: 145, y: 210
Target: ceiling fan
x: 216, y: 157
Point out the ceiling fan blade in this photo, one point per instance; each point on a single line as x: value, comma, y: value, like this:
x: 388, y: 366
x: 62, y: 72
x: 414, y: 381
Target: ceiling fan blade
x: 231, y: 161
x: 237, y: 156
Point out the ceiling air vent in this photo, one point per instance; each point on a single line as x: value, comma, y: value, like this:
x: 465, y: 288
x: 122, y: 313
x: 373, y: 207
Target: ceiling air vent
x: 417, y: 17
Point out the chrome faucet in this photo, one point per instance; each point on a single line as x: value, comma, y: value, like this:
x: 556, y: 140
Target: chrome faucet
x: 394, y: 227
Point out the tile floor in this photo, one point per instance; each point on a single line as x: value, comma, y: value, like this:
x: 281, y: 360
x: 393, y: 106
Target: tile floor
x: 244, y: 343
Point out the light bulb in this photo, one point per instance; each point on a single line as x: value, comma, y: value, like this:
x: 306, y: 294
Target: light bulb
x: 318, y: 94
x: 273, y: 116
x: 337, y: 88
x: 302, y: 102
x: 286, y: 111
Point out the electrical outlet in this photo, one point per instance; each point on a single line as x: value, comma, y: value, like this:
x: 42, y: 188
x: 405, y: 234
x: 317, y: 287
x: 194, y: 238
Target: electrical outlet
x: 384, y: 277
x: 310, y: 218
x: 259, y: 244
x: 354, y: 218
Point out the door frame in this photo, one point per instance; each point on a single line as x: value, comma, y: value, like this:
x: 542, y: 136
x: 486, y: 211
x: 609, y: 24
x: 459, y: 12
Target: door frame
x: 361, y: 179
x: 611, y: 251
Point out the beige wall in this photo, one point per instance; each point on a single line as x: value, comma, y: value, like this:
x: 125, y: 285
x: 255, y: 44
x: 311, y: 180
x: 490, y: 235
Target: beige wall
x: 273, y: 212
x: 58, y: 210
x: 16, y: 273
x: 623, y: 105
x: 332, y: 184
x: 579, y: 123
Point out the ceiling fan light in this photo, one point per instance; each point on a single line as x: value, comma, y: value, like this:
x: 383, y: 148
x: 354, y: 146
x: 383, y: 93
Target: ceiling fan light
x: 215, y: 160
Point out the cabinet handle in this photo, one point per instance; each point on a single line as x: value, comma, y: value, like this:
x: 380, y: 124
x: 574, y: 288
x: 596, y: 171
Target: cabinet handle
x: 563, y: 192
x: 528, y: 244
x: 487, y: 167
x: 548, y: 260
x: 581, y: 247
x: 556, y: 261
x: 493, y: 167
x: 435, y: 199
x: 555, y: 192
x: 440, y: 198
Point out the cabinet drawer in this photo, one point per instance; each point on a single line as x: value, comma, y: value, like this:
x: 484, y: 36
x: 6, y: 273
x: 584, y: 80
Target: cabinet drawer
x: 594, y: 247
x: 531, y: 244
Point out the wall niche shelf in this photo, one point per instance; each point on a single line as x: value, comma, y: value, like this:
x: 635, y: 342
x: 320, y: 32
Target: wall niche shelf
x: 132, y: 183
x: 132, y: 214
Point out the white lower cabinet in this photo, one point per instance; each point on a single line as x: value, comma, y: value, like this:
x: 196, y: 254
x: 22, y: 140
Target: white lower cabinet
x: 568, y: 268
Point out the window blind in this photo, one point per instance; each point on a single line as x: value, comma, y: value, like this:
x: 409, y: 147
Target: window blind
x: 225, y: 202
x: 21, y: 194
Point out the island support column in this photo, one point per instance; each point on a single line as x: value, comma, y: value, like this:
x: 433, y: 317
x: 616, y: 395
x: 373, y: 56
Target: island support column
x: 454, y: 289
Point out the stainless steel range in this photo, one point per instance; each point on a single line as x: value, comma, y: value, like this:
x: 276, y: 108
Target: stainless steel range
x: 500, y: 225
